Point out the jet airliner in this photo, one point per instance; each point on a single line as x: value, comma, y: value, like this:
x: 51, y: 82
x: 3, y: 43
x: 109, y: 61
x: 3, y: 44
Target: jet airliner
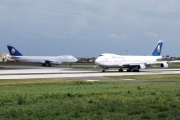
x: 44, y: 60
x: 132, y: 63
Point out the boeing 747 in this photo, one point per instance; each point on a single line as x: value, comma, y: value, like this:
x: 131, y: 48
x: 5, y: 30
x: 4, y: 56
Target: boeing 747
x: 132, y: 63
x: 44, y: 60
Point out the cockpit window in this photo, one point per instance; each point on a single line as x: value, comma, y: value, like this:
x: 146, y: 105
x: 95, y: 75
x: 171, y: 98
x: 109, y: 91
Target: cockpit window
x: 101, y: 55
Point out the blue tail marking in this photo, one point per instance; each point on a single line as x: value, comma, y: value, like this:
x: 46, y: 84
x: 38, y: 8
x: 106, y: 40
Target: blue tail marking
x: 157, y: 49
x: 13, y: 51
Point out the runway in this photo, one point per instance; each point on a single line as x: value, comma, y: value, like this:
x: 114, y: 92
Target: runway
x: 53, y: 72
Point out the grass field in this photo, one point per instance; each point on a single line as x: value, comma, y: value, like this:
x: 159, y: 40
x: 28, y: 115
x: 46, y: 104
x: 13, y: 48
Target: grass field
x: 149, y: 77
x: 73, y: 99
x: 90, y: 100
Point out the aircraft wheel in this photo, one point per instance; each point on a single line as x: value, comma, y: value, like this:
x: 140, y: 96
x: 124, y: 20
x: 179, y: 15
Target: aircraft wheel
x: 129, y: 70
x: 103, y: 70
x: 136, y: 70
x: 120, y: 70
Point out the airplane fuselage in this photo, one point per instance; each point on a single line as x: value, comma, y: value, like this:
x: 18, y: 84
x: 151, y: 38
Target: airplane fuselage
x: 43, y: 59
x: 133, y: 63
x: 122, y: 61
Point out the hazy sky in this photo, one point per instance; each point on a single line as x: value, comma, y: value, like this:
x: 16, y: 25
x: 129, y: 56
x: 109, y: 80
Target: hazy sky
x: 87, y: 28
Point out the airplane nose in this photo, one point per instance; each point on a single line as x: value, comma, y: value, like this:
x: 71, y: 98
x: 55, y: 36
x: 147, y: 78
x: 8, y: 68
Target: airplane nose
x: 97, y: 61
x: 75, y: 59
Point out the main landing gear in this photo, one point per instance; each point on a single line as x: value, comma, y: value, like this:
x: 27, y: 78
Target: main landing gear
x: 129, y: 70
x: 104, y: 69
x: 120, y: 70
x: 133, y: 70
x: 46, y: 65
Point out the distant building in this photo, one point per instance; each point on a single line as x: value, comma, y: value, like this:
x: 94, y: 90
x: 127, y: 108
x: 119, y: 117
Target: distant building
x: 4, y: 56
x: 91, y: 61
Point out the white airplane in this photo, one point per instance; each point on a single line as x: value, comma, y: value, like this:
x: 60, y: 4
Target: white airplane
x: 132, y: 63
x: 44, y: 60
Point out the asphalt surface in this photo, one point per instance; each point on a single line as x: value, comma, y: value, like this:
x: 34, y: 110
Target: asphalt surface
x: 28, y: 72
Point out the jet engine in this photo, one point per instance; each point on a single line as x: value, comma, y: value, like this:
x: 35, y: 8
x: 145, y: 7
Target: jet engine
x: 164, y: 65
x: 141, y: 66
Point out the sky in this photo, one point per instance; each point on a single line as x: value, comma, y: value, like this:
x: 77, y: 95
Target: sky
x: 87, y: 28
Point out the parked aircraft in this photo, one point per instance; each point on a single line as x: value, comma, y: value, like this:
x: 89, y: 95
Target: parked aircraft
x: 44, y: 60
x: 132, y: 63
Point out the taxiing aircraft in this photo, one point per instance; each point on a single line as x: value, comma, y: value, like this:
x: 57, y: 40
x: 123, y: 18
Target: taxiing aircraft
x: 44, y: 60
x: 132, y: 63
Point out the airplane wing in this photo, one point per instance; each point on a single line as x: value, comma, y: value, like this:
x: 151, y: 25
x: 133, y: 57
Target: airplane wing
x: 145, y: 63
x: 163, y: 64
x: 131, y: 64
x: 134, y: 65
x: 56, y: 62
x: 157, y: 62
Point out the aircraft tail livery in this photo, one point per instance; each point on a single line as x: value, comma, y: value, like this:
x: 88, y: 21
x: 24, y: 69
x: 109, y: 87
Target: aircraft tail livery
x: 13, y: 51
x: 157, y: 49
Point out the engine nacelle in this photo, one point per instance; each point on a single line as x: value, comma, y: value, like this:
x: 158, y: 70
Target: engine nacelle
x: 141, y: 66
x: 56, y: 62
x: 164, y: 65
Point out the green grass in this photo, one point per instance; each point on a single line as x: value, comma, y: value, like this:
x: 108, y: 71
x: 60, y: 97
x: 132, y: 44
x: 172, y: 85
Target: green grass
x: 174, y: 65
x: 33, y: 81
x: 149, y: 77
x: 90, y: 100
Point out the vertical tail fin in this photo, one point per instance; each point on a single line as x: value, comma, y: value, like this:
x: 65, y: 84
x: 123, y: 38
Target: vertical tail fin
x: 157, y: 49
x: 13, y: 51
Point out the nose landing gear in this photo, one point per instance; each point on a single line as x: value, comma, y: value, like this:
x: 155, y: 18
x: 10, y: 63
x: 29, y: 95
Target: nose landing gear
x: 104, y: 69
